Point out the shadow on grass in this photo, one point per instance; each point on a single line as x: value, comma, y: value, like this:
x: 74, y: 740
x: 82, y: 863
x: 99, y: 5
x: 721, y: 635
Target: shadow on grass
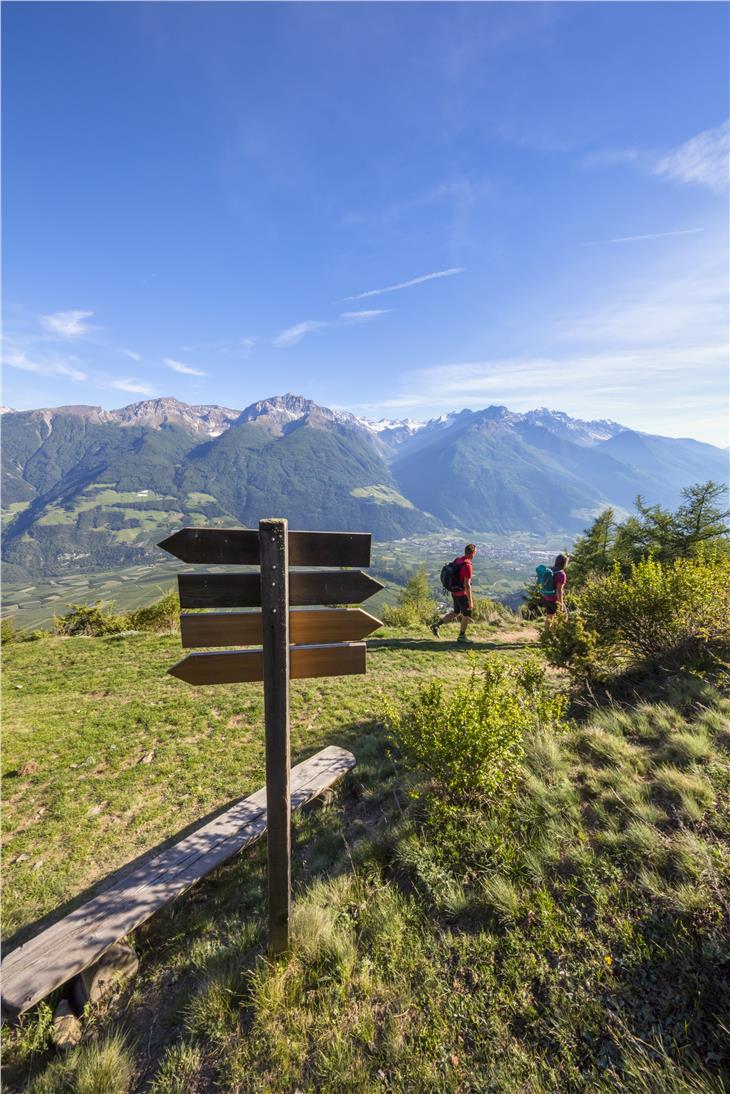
x: 444, y: 645
x: 216, y: 932
x: 346, y: 737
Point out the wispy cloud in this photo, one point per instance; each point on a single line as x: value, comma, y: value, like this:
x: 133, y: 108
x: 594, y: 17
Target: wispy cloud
x: 43, y: 367
x: 613, y: 378
x: 654, y: 357
x: 449, y: 203
x: 407, y: 284
x: 134, y: 387
x: 292, y: 335
x: 703, y: 160
x: 178, y: 366
x: 687, y: 309
x: 130, y: 353
x: 67, y: 324
x: 647, y: 235
x: 363, y: 316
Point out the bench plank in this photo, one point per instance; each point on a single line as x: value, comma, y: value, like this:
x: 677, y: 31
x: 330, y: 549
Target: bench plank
x: 66, y: 948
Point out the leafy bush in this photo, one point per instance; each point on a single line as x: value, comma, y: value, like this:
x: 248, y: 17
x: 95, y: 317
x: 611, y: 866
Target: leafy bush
x: 469, y: 742
x: 569, y: 643
x: 415, y: 604
x: 161, y: 615
x: 674, y: 615
x: 8, y: 632
x: 99, y: 619
x: 400, y: 615
x: 90, y: 620
x: 533, y: 603
x: 489, y: 611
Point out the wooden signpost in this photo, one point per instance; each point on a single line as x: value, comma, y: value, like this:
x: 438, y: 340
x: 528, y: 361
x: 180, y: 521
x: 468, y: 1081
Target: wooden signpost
x: 301, y: 643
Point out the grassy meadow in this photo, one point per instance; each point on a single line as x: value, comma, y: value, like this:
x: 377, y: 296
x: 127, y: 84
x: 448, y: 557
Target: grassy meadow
x: 570, y: 934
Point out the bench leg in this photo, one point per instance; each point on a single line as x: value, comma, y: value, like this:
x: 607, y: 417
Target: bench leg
x: 117, y: 963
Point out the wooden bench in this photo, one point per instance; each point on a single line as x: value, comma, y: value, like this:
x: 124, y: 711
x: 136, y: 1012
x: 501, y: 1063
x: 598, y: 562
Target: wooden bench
x: 35, y: 969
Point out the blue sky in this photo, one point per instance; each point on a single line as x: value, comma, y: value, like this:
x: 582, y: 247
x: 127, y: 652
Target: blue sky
x: 401, y: 209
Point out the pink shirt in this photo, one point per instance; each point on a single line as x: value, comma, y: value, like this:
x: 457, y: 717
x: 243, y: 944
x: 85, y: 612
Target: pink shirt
x: 559, y: 580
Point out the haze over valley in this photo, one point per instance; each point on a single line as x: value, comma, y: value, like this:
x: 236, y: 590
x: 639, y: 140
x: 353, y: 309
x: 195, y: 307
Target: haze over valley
x: 88, y: 490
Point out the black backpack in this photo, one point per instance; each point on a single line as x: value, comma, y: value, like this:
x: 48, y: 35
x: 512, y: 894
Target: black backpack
x: 450, y: 576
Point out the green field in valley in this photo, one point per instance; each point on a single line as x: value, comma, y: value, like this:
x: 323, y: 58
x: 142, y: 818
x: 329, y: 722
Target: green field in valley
x: 505, y: 564
x: 569, y: 935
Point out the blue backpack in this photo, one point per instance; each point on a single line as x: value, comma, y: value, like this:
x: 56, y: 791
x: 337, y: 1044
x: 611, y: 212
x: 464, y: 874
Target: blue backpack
x: 545, y: 579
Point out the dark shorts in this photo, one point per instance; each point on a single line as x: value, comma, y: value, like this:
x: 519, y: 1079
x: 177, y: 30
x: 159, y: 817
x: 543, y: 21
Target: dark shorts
x: 461, y: 604
x: 550, y: 606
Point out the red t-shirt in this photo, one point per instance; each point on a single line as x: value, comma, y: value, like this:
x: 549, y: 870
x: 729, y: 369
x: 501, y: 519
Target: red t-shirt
x: 559, y: 579
x: 464, y: 571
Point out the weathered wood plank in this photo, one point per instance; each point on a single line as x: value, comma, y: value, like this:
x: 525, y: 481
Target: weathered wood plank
x: 338, y: 659
x: 240, y: 547
x: 305, y: 627
x: 246, y: 666
x: 237, y: 590
x: 33, y: 970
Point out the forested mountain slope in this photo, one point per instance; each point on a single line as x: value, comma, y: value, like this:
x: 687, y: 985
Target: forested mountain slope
x: 87, y: 488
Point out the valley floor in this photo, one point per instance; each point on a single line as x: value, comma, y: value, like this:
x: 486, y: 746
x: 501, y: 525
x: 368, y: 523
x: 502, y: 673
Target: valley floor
x: 574, y: 936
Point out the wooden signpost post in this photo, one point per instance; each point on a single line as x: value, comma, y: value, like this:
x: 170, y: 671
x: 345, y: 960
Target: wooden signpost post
x: 301, y: 643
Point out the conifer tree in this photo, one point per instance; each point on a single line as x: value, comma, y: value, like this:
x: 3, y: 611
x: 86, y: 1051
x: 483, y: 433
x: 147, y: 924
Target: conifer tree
x: 700, y: 520
x: 416, y: 593
x: 593, y: 551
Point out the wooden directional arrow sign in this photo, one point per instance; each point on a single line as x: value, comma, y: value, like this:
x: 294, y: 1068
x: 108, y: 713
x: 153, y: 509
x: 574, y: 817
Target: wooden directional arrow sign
x: 294, y: 644
x: 238, y: 590
x: 305, y: 626
x: 240, y: 546
x: 246, y: 666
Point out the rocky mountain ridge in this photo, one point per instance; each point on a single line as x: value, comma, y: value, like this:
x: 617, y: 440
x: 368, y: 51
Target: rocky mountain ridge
x: 93, y: 488
x: 280, y: 412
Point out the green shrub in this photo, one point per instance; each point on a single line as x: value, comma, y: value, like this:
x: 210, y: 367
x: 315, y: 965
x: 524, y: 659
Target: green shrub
x: 533, y: 602
x: 90, y: 620
x: 469, y: 742
x: 669, y: 616
x: 400, y: 615
x: 486, y: 610
x: 570, y: 644
x: 415, y: 604
x: 161, y: 615
x: 10, y: 633
x: 99, y: 619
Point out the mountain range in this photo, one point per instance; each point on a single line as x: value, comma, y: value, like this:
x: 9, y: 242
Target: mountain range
x: 87, y: 488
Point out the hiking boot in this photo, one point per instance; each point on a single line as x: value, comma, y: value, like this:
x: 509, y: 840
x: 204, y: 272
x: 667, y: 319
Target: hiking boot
x: 435, y: 629
x: 464, y: 641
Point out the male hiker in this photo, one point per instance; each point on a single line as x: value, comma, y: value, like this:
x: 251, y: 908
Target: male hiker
x: 552, y: 580
x: 460, y: 589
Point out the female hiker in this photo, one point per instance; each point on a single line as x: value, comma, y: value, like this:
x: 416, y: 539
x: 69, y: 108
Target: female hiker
x: 552, y: 581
